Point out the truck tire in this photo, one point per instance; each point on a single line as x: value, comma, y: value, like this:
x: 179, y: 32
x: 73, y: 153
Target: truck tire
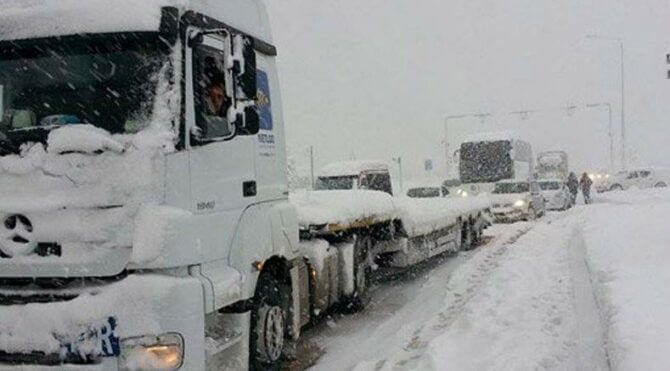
x: 660, y: 185
x: 467, y: 239
x: 532, y: 214
x: 266, y: 340
x: 359, y: 300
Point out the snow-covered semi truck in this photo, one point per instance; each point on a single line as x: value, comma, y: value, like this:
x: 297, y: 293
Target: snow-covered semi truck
x: 491, y: 157
x: 353, y: 199
x: 144, y: 214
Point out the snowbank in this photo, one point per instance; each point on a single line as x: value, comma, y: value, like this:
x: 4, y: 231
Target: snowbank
x: 627, y: 242
x: 342, y: 207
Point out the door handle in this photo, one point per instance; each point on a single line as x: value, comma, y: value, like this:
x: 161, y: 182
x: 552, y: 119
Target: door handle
x: 249, y: 188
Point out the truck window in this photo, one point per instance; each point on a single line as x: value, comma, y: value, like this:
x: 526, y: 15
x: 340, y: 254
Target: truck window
x: 645, y: 173
x: 212, y: 100
x: 377, y: 182
x: 338, y: 182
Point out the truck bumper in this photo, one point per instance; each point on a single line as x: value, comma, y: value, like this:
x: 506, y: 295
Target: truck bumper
x: 140, y: 305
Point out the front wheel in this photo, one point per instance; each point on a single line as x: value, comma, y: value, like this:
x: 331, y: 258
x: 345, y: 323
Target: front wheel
x: 616, y: 187
x: 266, y: 341
x: 532, y: 214
x: 660, y: 185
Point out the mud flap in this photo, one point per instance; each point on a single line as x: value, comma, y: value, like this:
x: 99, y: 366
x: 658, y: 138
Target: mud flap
x: 299, y: 298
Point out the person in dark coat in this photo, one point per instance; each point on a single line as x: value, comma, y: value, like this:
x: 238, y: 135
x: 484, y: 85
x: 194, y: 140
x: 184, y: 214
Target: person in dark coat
x: 573, y: 187
x: 585, y: 185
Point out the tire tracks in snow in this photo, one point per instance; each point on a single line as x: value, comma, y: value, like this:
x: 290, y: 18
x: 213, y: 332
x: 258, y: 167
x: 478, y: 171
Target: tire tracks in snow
x: 461, y: 294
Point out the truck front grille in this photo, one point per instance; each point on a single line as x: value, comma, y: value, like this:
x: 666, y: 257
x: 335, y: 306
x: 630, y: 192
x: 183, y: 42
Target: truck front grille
x: 29, y: 299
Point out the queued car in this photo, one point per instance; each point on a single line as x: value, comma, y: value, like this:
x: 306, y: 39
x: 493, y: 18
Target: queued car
x: 639, y: 178
x: 556, y: 194
x: 515, y: 200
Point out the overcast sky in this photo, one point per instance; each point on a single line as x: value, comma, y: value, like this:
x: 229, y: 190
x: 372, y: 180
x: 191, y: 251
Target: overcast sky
x: 376, y: 78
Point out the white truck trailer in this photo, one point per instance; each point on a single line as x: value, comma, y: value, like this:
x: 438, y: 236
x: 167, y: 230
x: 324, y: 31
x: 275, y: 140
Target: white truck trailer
x: 144, y: 213
x: 403, y: 231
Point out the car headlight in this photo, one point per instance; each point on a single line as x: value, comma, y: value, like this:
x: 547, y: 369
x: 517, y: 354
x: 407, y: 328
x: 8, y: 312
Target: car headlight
x: 519, y: 203
x: 592, y: 176
x: 154, y: 352
x: 464, y: 194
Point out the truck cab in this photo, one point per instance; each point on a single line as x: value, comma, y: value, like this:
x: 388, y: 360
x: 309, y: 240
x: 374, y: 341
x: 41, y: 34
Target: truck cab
x: 142, y: 177
x: 370, y: 175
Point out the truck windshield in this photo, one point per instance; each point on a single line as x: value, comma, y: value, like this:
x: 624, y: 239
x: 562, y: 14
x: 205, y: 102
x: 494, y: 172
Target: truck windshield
x: 338, y: 182
x: 486, y: 161
x: 506, y: 188
x: 108, y: 81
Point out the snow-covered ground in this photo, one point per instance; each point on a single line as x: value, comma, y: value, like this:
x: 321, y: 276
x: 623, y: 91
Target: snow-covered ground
x: 579, y: 290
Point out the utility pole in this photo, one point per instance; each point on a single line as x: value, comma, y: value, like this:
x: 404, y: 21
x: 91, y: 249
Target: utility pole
x: 624, y: 164
x: 609, y: 130
x: 311, y: 166
x: 399, y: 161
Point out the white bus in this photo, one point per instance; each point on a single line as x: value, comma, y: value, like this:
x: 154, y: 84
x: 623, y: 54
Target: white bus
x: 490, y: 158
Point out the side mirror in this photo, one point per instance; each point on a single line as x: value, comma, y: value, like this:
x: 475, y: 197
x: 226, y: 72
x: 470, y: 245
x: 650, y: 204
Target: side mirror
x: 244, y: 67
x: 243, y: 59
x: 248, y: 121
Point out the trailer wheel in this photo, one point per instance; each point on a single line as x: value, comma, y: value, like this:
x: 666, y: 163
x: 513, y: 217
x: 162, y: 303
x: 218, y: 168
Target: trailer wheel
x: 266, y: 341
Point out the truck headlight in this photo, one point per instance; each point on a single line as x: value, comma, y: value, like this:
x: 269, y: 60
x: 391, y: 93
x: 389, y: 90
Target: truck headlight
x: 153, y: 352
x: 519, y: 203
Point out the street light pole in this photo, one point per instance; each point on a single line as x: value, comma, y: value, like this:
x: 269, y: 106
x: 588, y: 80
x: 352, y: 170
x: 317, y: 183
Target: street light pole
x: 623, y: 116
x: 624, y: 164
x: 609, y: 130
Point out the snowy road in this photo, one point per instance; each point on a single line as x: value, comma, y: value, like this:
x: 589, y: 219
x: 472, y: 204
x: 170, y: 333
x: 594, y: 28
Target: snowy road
x: 399, y: 307
x: 537, y: 296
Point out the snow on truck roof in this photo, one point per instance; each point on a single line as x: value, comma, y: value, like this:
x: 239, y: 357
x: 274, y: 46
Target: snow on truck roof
x: 491, y: 136
x: 350, y: 168
x: 25, y: 19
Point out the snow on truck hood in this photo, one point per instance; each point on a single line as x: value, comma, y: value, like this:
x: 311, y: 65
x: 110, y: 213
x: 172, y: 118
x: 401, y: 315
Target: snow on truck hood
x: 81, y: 166
x: 82, y: 192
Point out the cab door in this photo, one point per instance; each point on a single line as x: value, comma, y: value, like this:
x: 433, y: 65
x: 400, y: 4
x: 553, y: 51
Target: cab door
x: 222, y: 164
